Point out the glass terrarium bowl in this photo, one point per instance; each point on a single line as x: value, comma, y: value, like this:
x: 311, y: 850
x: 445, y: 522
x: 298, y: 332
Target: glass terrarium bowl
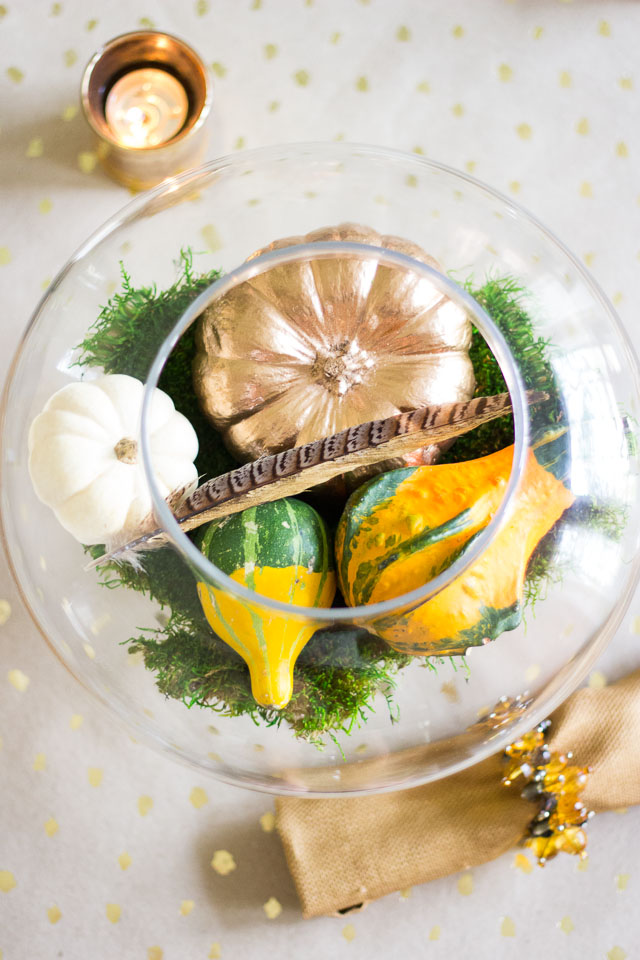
x: 436, y: 713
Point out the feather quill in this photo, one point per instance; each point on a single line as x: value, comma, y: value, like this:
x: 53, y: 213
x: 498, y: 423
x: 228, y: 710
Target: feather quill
x: 293, y: 471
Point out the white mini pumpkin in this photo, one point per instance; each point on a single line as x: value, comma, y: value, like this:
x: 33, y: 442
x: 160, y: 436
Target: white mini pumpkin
x: 83, y: 457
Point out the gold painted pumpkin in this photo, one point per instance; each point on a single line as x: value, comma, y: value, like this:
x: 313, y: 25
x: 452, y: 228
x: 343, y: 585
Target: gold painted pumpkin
x: 307, y: 349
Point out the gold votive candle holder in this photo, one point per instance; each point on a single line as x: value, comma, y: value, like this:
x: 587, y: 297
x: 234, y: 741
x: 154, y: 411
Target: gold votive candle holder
x: 147, y: 97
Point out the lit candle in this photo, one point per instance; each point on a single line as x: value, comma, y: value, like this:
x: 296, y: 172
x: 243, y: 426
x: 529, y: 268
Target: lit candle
x: 147, y: 97
x: 146, y: 107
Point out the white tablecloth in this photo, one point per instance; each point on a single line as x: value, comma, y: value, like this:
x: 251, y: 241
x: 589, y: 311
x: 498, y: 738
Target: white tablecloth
x: 105, y: 847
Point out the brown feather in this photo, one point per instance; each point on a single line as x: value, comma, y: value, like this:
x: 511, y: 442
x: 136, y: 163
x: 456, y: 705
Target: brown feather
x: 293, y: 471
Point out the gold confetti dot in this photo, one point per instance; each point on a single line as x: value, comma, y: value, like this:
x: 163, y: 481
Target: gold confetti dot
x: 223, y: 862
x: 202, y: 8
x: 268, y: 822
x: 586, y: 189
x: 15, y: 74
x: 51, y: 827
x: 522, y: 862
x: 3, y: 11
x: 470, y: 166
x: 272, y: 908
x: 589, y: 258
x: 597, y: 680
x: 76, y: 721
x: 622, y: 150
x: 362, y: 84
x: 636, y: 620
x: 507, y: 927
x: 564, y: 78
x: 457, y: 110
x: 604, y: 28
x: 363, y: 747
x: 566, y: 925
x: 145, y: 803
x: 155, y: 953
x: 18, y: 679
x: 87, y: 161
x: 5, y: 606
x: 56, y: 9
x: 198, y: 797
x: 215, y: 757
x: 423, y: 87
x: 216, y: 951
x: 449, y: 690
x: 186, y: 907
x: 211, y: 237
x: 40, y: 762
x: 54, y: 913
x: 94, y: 775
x: 537, y: 32
x: 91, y: 25
x: 618, y: 297
x: 302, y: 78
x: 524, y: 131
x: 274, y: 105
x: 113, y: 912
x: 434, y: 933
x: 270, y: 51
x: 124, y: 860
x: 7, y: 881
x: 35, y: 148
x: 219, y: 69
x: 69, y: 113
x: 406, y: 893
x: 146, y: 22
x: 70, y: 58
x: 622, y: 880
x: 419, y: 151
x: 505, y: 72
x: 403, y: 34
x: 465, y: 883
x: 616, y: 953
x: 335, y: 37
x: 349, y: 932
x: 458, y: 31
x: 256, y: 4
x: 411, y: 180
x: 45, y: 205
x: 626, y: 83
x: 582, y: 126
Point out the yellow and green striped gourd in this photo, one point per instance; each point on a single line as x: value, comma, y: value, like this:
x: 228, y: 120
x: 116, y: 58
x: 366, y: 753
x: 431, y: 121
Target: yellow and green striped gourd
x: 403, y: 528
x: 282, y: 551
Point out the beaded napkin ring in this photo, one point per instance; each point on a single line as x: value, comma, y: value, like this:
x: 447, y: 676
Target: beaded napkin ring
x: 550, y: 779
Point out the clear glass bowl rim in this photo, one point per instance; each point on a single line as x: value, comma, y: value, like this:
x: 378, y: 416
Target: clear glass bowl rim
x: 326, y: 250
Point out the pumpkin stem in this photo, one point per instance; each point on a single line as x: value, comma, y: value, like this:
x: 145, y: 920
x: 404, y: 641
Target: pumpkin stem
x: 126, y: 450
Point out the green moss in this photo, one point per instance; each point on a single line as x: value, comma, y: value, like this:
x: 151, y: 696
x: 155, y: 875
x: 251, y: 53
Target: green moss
x: 129, y: 332
x: 503, y: 301
x: 341, y: 669
x: 337, y: 674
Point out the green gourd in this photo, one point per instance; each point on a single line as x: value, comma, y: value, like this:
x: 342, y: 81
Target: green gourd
x: 280, y: 550
x: 403, y: 528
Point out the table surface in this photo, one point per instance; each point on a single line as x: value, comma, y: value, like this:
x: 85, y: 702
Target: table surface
x: 104, y: 846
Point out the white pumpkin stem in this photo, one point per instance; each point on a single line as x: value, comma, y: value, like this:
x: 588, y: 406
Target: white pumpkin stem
x: 126, y: 450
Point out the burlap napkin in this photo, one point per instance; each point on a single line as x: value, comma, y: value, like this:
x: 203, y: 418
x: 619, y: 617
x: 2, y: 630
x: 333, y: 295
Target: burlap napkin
x: 344, y: 852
